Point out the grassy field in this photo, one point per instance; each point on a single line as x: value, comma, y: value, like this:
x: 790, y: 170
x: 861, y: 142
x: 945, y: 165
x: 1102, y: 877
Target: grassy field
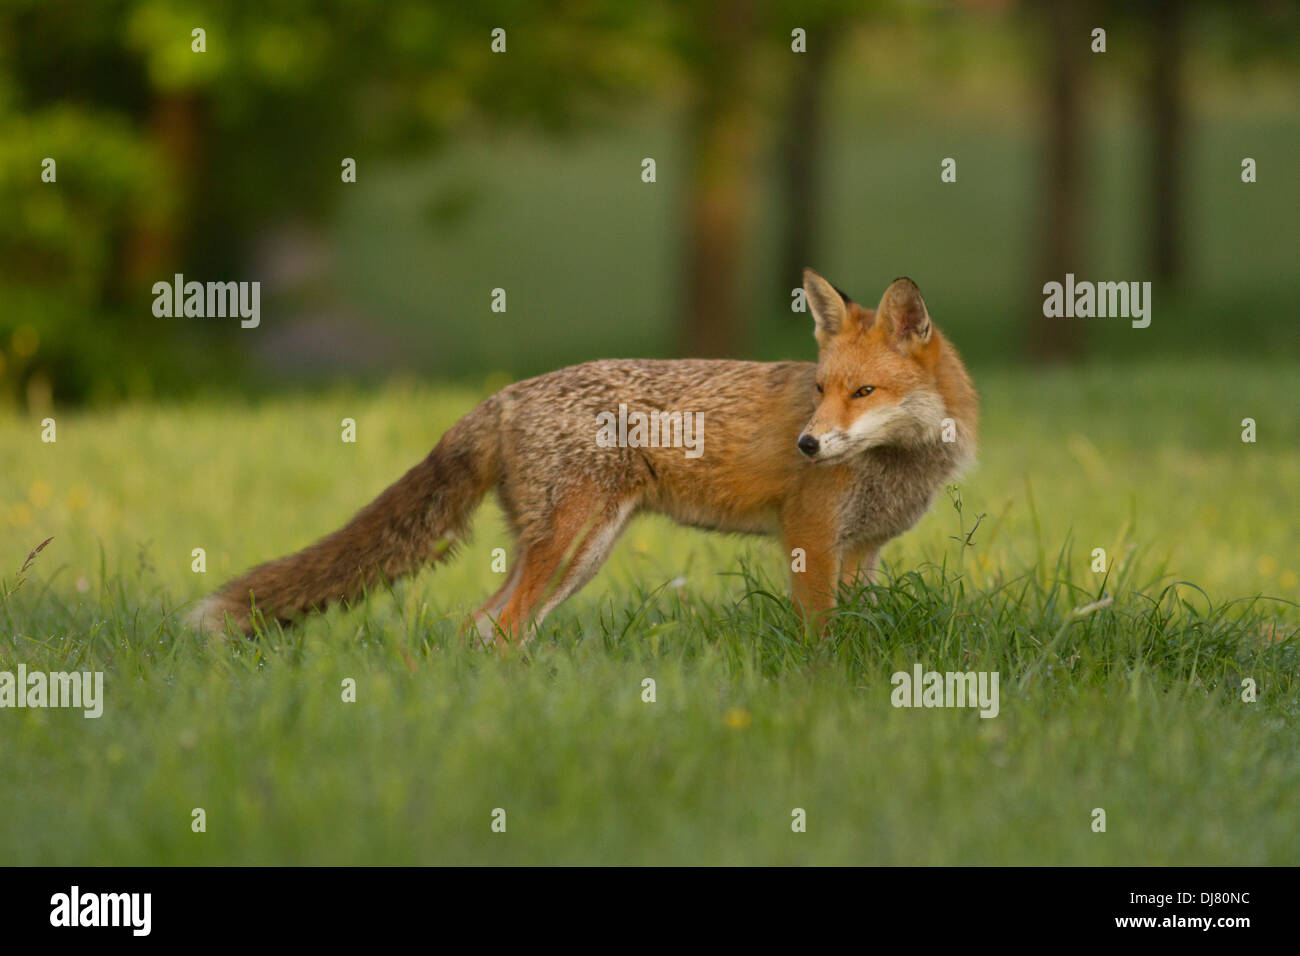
x: 1134, y: 708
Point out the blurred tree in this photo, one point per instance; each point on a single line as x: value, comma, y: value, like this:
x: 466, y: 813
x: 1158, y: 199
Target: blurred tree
x: 802, y: 132
x: 741, y: 69
x: 1165, y: 86
x: 171, y: 160
x: 717, y: 41
x: 1256, y: 31
x: 1066, y: 29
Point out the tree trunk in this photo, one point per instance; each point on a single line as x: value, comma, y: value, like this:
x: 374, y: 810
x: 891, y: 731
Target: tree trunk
x: 152, y: 247
x: 1063, y: 236
x: 1165, y: 109
x: 720, y: 186
x: 801, y: 152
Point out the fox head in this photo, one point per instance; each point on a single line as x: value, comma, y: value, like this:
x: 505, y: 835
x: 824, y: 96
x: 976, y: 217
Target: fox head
x: 877, y: 372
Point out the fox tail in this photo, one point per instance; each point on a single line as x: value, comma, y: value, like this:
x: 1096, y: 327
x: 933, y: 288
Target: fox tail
x: 420, y: 517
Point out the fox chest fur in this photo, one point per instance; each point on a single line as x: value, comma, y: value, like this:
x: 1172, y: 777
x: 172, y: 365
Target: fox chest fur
x: 891, y: 490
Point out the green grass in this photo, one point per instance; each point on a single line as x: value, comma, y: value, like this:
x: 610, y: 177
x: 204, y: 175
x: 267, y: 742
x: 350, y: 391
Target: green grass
x: 1134, y: 707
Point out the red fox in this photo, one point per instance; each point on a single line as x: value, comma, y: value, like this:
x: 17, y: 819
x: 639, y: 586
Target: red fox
x: 836, y: 458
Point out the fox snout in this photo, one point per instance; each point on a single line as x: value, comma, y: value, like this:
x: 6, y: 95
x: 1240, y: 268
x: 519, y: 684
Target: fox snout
x: 829, y: 446
x: 823, y: 445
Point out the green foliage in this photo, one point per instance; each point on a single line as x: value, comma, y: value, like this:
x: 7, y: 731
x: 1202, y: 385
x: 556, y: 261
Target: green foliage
x: 173, y: 160
x: 58, y: 243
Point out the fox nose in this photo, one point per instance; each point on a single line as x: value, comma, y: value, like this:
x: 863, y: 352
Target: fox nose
x: 808, y: 445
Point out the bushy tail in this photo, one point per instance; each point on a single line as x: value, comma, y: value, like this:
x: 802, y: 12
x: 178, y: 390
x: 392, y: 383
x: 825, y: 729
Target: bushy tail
x: 417, y: 518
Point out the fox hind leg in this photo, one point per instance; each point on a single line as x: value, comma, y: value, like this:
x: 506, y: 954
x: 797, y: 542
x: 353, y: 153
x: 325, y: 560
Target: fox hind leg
x: 485, y: 617
x: 558, y: 565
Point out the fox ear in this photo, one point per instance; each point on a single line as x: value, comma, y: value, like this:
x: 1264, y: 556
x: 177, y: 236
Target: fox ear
x: 829, y: 308
x: 904, y: 310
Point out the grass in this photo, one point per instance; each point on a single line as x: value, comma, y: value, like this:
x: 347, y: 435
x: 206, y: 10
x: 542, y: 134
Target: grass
x: 1134, y: 707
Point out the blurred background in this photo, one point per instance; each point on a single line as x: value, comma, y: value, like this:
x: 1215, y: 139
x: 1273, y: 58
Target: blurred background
x: 188, y: 449
x: 523, y: 170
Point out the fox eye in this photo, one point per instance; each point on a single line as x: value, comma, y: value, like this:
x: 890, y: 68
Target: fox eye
x: 864, y: 391
x: 819, y: 388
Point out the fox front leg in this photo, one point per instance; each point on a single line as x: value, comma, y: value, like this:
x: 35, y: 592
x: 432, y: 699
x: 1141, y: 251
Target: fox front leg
x: 814, y: 574
x: 859, y: 564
